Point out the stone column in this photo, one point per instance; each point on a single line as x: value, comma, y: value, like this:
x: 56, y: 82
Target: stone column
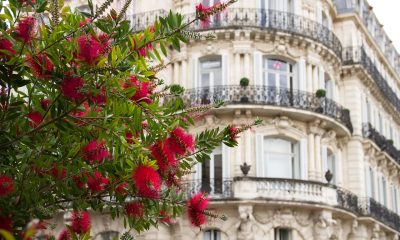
x: 339, y: 170
x: 237, y: 77
x: 246, y: 65
x: 309, y: 78
x: 176, y: 73
x: 311, y: 161
x: 318, y: 159
x: 315, y: 79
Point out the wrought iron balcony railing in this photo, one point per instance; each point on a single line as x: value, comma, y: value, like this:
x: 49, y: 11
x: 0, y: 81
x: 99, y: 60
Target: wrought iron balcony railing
x: 255, y: 18
x: 383, y: 143
x: 378, y: 34
x: 267, y: 95
x: 357, y: 55
x: 216, y: 188
x: 382, y: 214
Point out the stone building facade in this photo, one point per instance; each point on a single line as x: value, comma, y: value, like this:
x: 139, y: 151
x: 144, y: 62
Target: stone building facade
x: 290, y: 50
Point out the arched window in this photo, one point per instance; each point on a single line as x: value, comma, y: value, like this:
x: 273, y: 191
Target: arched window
x: 108, y: 235
x: 212, y: 234
x: 278, y: 73
x: 281, y: 158
x: 210, y: 71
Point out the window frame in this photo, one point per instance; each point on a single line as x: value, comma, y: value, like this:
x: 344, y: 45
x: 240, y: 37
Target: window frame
x: 215, y: 234
x: 211, y: 71
x: 266, y: 71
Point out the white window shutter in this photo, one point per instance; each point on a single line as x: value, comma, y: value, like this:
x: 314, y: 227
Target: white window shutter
x: 321, y: 76
x: 259, y: 155
x: 225, y: 69
x: 324, y: 153
x: 226, y: 163
x: 195, y: 72
x: 303, y: 159
x: 258, y: 68
x: 301, y: 74
x: 368, y: 181
x: 197, y: 175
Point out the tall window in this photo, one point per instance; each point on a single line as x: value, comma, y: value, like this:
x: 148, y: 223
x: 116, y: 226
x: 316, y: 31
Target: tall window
x: 211, y: 173
x: 210, y: 71
x: 277, y: 73
x: 280, y: 5
x: 282, y: 234
x: 329, y: 86
x: 109, y: 235
x: 281, y: 158
x: 331, y: 164
x: 212, y: 234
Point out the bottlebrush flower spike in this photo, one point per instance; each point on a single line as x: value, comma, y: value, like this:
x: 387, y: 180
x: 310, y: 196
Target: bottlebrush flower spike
x: 80, y: 222
x: 97, y: 182
x: 40, y: 65
x: 45, y: 103
x: 233, y: 132
x: 6, y: 185
x: 147, y: 181
x: 72, y: 88
x: 26, y: 29
x: 96, y: 151
x: 91, y: 48
x: 196, y: 207
x: 142, y: 90
x: 134, y: 209
x: 64, y: 235
x: 35, y: 118
x: 165, y: 157
x: 7, y: 48
x: 180, y: 142
x: 100, y: 98
x: 58, y: 172
x: 122, y: 188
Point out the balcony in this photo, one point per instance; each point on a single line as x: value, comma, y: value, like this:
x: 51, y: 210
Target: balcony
x: 263, y: 19
x: 357, y: 55
x: 383, y: 214
x: 363, y: 11
x: 292, y: 190
x: 267, y: 95
x: 383, y: 143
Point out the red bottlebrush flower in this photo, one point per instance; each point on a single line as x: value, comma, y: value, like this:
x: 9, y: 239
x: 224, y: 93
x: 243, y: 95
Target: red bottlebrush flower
x: 97, y: 182
x: 96, y: 151
x: 40, y: 65
x: 134, y: 209
x: 165, y: 158
x: 45, y: 103
x: 202, y: 12
x: 91, y: 48
x: 142, y: 52
x: 180, y: 142
x: 35, y: 118
x: 6, y: 223
x: 64, y: 235
x: 26, y: 29
x: 6, y: 47
x: 72, y: 87
x: 84, y: 23
x: 147, y: 181
x: 233, y: 133
x: 58, y: 172
x: 100, y: 98
x: 122, y: 188
x: 196, y: 206
x: 6, y: 185
x: 142, y: 90
x: 80, y: 181
x: 22, y: 2
x: 172, y: 180
x: 129, y: 137
x: 80, y: 222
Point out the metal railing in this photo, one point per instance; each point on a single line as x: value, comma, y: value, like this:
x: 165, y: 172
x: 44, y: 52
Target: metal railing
x: 268, y: 95
x: 382, y: 214
x: 357, y: 55
x: 383, y: 143
x: 378, y: 34
x: 254, y: 18
x: 216, y: 188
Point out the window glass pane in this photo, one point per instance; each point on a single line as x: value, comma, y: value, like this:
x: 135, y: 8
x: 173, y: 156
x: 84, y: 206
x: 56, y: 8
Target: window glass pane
x: 271, y: 80
x: 283, y: 81
x: 218, y: 173
x: 210, y: 64
x: 278, y: 145
x: 217, y: 77
x: 277, y: 65
x: 205, y: 80
x: 279, y: 166
x: 206, y: 3
x: 207, y: 235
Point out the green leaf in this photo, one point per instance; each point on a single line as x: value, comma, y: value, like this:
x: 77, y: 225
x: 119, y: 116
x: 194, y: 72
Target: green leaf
x: 42, y: 7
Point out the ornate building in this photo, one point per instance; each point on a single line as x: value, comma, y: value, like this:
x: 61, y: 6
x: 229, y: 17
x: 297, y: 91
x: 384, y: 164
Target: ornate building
x: 325, y: 79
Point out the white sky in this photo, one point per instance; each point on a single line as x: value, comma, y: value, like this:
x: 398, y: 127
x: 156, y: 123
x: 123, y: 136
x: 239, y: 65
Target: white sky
x: 387, y: 12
